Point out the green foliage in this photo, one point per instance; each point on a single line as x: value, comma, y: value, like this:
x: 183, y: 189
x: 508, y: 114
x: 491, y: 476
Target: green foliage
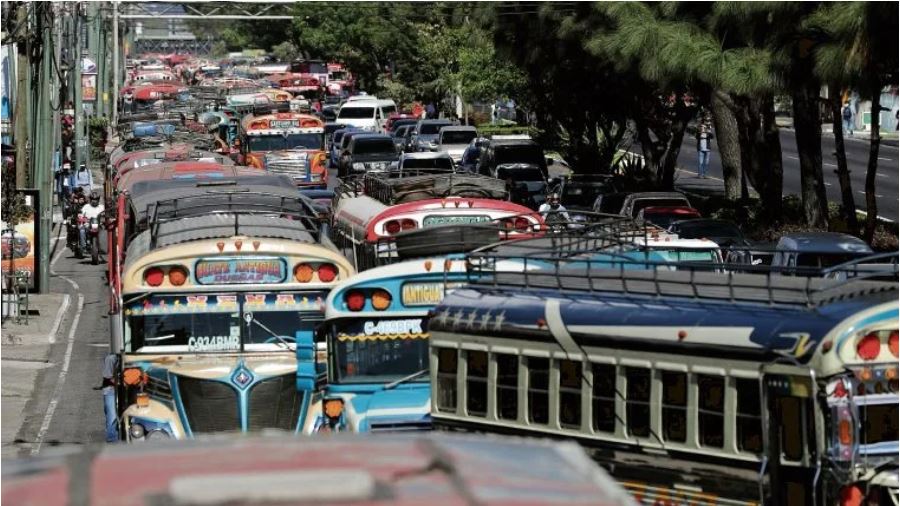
x: 286, y: 51
x: 218, y: 49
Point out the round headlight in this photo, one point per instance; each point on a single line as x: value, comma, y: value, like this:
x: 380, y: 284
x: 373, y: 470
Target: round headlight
x: 136, y: 431
x: 157, y: 435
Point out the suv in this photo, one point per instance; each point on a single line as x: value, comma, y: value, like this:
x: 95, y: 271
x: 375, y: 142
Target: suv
x: 472, y: 153
x: 455, y: 139
x: 804, y: 253
x: 419, y: 161
x: 367, y: 153
x: 424, y: 136
x: 521, y: 164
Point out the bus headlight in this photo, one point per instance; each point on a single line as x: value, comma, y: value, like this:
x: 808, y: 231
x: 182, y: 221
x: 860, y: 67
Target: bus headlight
x: 158, y: 435
x: 136, y: 431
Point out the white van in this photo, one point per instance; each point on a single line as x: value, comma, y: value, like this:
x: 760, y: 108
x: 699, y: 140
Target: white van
x: 366, y: 114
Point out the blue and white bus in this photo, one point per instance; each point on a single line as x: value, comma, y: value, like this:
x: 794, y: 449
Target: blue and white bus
x: 376, y: 332
x: 690, y: 387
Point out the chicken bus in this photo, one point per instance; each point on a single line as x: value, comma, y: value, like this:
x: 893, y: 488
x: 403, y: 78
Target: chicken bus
x: 286, y: 143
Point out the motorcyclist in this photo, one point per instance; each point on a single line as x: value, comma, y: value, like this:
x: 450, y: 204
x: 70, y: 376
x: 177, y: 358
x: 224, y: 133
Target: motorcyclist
x: 77, y: 200
x: 91, y: 210
x: 553, y: 208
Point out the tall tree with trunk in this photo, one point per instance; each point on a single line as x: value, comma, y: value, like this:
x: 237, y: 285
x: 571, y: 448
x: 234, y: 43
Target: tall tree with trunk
x: 859, y: 50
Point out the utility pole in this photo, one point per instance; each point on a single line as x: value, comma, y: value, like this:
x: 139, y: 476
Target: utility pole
x: 76, y: 78
x: 23, y: 68
x: 44, y: 146
x: 116, y: 47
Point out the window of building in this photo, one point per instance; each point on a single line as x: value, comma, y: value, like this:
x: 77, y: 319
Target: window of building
x: 570, y: 394
x: 538, y: 390
x: 446, y: 379
x: 637, y: 401
x: 711, y: 408
x: 507, y: 387
x: 604, y: 397
x: 476, y: 382
x: 674, y: 410
x: 749, y: 423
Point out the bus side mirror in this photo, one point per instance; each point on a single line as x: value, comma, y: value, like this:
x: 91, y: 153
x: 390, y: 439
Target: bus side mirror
x: 306, y: 360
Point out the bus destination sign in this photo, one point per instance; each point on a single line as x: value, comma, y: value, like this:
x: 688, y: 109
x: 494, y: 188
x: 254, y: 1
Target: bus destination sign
x: 240, y: 271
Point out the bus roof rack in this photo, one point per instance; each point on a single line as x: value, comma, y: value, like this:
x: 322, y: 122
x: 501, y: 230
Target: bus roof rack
x: 410, y: 188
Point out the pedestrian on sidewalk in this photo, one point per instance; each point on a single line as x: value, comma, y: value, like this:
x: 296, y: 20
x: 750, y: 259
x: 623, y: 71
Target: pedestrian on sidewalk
x: 110, y: 364
x: 704, y: 146
x: 847, y: 115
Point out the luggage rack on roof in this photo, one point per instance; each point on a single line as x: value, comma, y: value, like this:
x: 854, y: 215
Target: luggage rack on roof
x: 235, y: 204
x: 614, y: 272
x: 413, y: 186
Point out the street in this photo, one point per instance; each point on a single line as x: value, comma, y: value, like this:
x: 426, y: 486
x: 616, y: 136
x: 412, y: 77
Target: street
x: 857, y: 151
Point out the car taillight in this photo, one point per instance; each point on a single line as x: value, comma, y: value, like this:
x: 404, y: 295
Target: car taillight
x: 177, y: 275
x: 868, y: 347
x: 303, y: 273
x: 392, y: 227
x: 327, y: 273
x: 154, y: 276
x: 407, y: 224
x: 381, y: 300
x: 522, y: 223
x: 892, y: 343
x: 508, y: 223
x: 355, y: 300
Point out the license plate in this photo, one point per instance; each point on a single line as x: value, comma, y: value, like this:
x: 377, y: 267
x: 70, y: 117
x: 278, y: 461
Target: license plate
x: 425, y: 293
x: 431, y: 221
x: 282, y: 123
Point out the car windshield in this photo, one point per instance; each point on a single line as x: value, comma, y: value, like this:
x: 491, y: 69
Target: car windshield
x: 401, y: 131
x: 428, y: 163
x: 356, y: 113
x: 523, y: 174
x: 523, y: 153
x: 581, y: 195
x: 658, y: 202
x: 373, y: 146
x: 696, y: 231
x: 431, y: 128
x: 388, y: 110
x: 457, y: 137
x: 378, y: 351
x: 279, y: 142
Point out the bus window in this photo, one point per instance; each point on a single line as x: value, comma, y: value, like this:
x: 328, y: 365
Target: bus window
x: 604, y: 397
x: 446, y: 376
x: 789, y: 413
x: 749, y: 425
x: 570, y: 394
x: 674, y: 410
x: 711, y: 402
x: 538, y: 390
x: 507, y: 387
x: 375, y: 360
x: 476, y: 382
x: 637, y: 401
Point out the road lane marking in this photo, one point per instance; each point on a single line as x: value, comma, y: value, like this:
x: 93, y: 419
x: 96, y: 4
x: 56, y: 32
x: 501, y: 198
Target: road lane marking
x: 67, y: 359
x: 827, y: 183
x: 829, y: 164
x: 60, y: 316
x: 863, y: 193
x: 882, y: 218
x: 881, y: 175
x: 792, y: 157
x: 886, y: 159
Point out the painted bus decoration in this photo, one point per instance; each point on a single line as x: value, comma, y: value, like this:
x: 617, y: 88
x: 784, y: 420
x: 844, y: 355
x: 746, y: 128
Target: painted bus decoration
x: 286, y: 143
x: 217, y: 318
x: 690, y: 387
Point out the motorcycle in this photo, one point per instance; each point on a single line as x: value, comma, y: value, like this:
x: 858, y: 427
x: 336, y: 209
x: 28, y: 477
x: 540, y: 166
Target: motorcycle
x: 92, y: 238
x: 72, y: 235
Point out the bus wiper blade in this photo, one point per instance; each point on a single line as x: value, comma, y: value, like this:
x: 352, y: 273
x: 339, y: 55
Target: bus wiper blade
x: 276, y: 336
x: 411, y: 377
x: 160, y: 338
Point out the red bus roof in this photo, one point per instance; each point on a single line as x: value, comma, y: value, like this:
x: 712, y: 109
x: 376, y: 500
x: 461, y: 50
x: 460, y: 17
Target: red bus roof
x: 183, y: 170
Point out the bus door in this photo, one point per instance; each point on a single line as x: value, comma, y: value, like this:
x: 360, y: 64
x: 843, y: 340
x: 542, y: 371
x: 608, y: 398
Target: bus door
x: 792, y: 457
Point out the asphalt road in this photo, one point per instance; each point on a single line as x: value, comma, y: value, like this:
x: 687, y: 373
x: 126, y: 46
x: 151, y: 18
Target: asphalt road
x: 857, y: 159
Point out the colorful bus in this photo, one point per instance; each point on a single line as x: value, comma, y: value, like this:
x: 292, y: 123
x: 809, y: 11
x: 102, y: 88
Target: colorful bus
x: 382, y: 207
x: 377, y: 338
x: 216, y: 321
x: 287, y: 143
x: 690, y: 387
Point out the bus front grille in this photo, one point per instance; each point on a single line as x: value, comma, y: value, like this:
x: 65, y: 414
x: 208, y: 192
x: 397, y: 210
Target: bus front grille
x: 274, y: 404
x: 210, y: 406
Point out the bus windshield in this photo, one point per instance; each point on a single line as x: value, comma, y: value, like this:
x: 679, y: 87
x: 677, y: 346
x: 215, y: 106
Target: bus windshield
x: 280, y: 142
x: 219, y: 323
x: 378, y: 351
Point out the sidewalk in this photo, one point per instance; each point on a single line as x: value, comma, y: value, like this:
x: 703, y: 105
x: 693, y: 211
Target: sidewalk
x: 887, y: 138
x: 24, y: 351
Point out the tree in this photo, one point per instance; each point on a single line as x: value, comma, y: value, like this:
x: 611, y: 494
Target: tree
x: 285, y: 52
x: 859, y: 50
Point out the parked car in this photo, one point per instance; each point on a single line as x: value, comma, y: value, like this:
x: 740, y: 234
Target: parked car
x: 367, y: 152
x: 400, y: 135
x: 804, y: 253
x: 663, y: 216
x: 424, y: 136
x: 579, y: 191
x: 511, y: 152
x: 454, y: 140
x: 397, y: 120
x: 634, y: 202
x: 472, y: 153
x: 527, y: 184
x: 722, y: 232
x: 336, y: 144
x: 437, y: 161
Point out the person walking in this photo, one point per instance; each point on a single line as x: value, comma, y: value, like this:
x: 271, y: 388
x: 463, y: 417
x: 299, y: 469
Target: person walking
x: 704, y: 146
x: 110, y: 364
x: 847, y: 116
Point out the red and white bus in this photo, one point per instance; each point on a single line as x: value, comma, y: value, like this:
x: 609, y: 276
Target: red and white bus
x: 287, y: 143
x: 361, y: 222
